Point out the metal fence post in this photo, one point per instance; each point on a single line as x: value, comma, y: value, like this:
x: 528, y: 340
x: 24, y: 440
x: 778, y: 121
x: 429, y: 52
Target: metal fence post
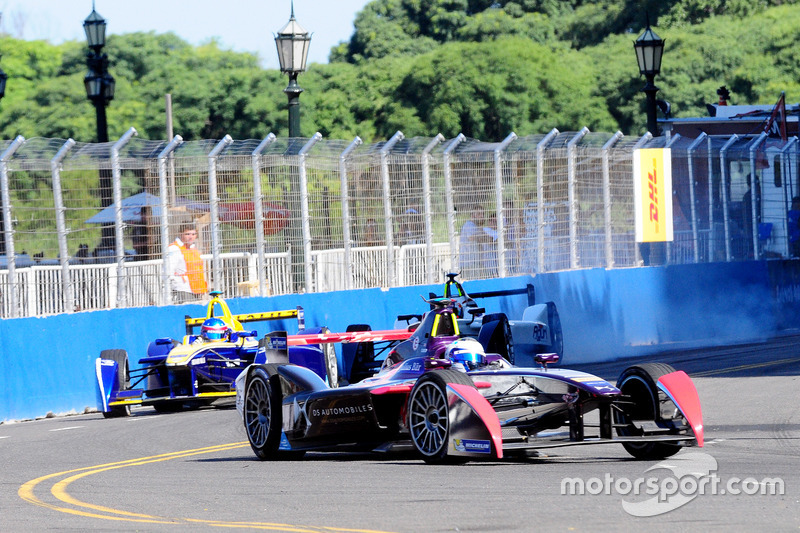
x: 755, y: 187
x: 391, y: 275
x: 448, y: 195
x: 348, y: 280
x: 116, y: 178
x: 712, y: 237
x: 214, y: 199
x: 67, y: 295
x: 7, y: 227
x: 671, y: 139
x: 305, y: 211
x: 498, y: 192
x: 426, y: 201
x: 787, y: 181
x: 166, y: 291
x: 723, y: 188
x: 258, y: 212
x: 609, y: 246
x: 540, y: 198
x: 572, y: 197
x: 690, y: 162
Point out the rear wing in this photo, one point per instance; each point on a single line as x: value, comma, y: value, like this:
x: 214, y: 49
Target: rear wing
x: 235, y: 321
x: 528, y: 289
x: 350, y: 337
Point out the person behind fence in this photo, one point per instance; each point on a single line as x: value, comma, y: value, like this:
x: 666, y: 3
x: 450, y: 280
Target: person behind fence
x: 470, y: 243
x: 187, y: 279
x: 793, y: 221
x: 411, y: 228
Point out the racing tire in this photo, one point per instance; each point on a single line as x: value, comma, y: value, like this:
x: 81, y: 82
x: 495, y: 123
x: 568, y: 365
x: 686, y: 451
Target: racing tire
x: 429, y: 415
x: 331, y: 364
x: 263, y: 417
x: 123, y: 380
x: 501, y: 341
x: 556, y: 333
x: 167, y: 406
x: 638, y: 382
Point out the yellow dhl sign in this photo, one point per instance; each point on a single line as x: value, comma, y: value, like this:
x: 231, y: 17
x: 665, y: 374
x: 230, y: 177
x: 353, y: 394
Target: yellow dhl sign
x: 652, y: 183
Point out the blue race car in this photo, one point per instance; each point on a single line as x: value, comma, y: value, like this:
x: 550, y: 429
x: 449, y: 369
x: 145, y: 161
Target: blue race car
x: 200, y: 369
x: 519, y: 341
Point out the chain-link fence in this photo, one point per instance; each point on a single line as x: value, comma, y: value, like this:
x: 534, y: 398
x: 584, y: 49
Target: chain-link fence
x: 88, y: 226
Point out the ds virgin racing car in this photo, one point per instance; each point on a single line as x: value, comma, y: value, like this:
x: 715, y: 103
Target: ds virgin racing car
x: 454, y: 402
x: 199, y: 369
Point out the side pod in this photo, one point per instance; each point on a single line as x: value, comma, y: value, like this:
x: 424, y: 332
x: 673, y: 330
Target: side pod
x: 680, y: 389
x: 475, y: 428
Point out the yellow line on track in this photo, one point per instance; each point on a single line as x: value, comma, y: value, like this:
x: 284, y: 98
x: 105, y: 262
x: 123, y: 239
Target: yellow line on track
x: 745, y: 367
x: 59, y: 490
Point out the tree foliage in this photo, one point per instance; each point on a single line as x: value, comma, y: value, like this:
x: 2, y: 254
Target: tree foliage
x: 479, y: 67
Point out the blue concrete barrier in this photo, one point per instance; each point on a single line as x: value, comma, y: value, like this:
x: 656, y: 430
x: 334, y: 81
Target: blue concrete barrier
x: 47, y: 364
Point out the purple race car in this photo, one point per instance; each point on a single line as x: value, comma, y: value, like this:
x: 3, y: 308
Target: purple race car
x: 454, y: 402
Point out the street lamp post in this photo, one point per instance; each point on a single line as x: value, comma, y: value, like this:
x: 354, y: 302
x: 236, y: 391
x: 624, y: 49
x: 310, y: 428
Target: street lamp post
x: 292, y: 42
x: 649, y: 47
x: 100, y: 91
x: 3, y: 80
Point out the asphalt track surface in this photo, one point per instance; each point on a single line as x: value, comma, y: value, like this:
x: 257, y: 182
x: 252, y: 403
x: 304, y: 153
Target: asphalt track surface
x: 194, y: 471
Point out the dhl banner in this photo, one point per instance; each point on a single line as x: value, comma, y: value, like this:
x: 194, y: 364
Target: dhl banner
x: 652, y: 183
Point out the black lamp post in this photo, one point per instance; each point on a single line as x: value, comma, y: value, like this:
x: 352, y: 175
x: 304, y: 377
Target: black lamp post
x: 649, y: 48
x: 3, y: 80
x: 292, y: 42
x: 99, y: 83
x: 100, y: 91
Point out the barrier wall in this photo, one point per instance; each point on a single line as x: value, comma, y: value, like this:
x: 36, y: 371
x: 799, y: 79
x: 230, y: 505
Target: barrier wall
x: 47, y: 364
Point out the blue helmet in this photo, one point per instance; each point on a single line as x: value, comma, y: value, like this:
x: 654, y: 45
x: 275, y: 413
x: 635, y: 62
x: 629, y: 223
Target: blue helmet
x: 214, y: 329
x: 468, y: 352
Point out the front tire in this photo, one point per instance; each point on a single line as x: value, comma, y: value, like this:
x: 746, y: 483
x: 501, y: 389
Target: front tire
x: 638, y: 382
x: 123, y: 380
x: 429, y: 414
x: 331, y: 364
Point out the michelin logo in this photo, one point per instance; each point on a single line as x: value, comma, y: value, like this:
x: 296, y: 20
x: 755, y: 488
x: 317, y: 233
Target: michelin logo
x: 474, y: 446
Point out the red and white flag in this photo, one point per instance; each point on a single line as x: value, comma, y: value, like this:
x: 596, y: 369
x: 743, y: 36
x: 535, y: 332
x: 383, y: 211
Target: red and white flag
x: 776, y: 125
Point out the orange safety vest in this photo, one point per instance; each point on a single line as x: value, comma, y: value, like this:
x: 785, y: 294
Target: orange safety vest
x: 194, y: 269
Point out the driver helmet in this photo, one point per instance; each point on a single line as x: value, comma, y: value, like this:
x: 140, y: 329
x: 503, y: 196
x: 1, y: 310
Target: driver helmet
x: 468, y: 352
x: 214, y: 329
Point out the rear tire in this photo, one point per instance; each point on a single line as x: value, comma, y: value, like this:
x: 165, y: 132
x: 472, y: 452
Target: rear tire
x: 429, y: 415
x: 123, y: 380
x: 263, y: 417
x: 501, y: 340
x: 638, y: 382
x: 556, y: 333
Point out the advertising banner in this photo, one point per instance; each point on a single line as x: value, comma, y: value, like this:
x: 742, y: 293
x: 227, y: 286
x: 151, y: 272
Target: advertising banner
x: 652, y: 184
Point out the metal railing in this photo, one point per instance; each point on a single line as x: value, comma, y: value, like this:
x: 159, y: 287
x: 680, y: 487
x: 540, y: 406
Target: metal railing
x: 279, y: 216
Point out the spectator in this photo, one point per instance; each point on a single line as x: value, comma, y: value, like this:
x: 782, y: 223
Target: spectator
x: 513, y: 233
x: 747, y: 215
x: 470, y: 241
x: 370, y: 233
x: 793, y: 220
x: 411, y: 230
x: 187, y: 279
x: 489, y: 247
